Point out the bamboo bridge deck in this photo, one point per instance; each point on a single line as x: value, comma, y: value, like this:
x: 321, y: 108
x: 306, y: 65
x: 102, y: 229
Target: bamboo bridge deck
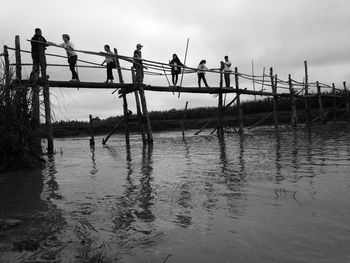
x: 290, y: 88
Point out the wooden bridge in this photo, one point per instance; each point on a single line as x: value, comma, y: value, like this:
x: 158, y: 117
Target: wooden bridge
x: 279, y: 88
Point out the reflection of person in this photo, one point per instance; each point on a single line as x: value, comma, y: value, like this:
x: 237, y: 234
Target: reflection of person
x: 38, y: 55
x: 227, y: 71
x: 201, y: 73
x: 175, y: 70
x: 71, y: 54
x: 109, y: 60
x: 138, y: 65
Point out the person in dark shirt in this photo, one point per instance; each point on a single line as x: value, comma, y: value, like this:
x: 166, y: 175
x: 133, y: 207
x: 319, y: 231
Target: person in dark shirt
x: 175, y: 69
x: 138, y: 65
x: 38, y: 55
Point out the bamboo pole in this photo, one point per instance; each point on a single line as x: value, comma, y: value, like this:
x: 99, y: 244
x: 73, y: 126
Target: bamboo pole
x: 220, y: 109
x: 18, y: 59
x: 92, y: 139
x: 307, y: 109
x: 213, y: 118
x: 334, y: 104
x: 48, y: 125
x: 346, y: 98
x: 118, y: 67
x: 274, y: 91
x: 138, y: 108
x: 104, y: 141
x: 293, y: 99
x: 240, y: 121
x: 320, y: 103
x: 126, y: 117
x: 260, y: 121
x: 183, y: 121
x: 145, y: 113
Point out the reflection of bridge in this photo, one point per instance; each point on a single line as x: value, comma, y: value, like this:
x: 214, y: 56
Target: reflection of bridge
x: 277, y: 88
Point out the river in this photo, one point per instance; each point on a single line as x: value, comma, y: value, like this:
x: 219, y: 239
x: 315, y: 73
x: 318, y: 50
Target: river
x: 257, y: 197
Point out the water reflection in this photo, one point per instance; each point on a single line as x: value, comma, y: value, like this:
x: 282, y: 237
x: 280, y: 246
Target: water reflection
x: 93, y: 160
x: 50, y: 176
x: 241, y: 156
x: 146, y: 191
x: 279, y: 176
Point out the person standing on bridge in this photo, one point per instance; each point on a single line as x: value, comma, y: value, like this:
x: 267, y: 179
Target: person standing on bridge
x: 110, y: 63
x: 39, y: 44
x: 71, y: 54
x: 175, y: 69
x: 138, y: 65
x: 227, y: 71
x: 201, y: 73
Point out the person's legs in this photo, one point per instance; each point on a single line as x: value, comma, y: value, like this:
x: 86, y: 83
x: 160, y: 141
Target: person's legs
x: 109, y: 71
x: 199, y: 79
x: 42, y: 62
x: 227, y: 79
x: 205, y: 81
x: 72, y: 62
x: 35, y: 70
x: 139, y: 75
x: 176, y: 78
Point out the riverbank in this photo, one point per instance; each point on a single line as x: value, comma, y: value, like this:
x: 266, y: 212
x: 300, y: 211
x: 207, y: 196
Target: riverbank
x: 67, y: 129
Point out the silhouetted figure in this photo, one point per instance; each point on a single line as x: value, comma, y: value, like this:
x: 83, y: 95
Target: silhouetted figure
x: 109, y: 60
x: 201, y: 73
x: 175, y: 70
x: 38, y: 55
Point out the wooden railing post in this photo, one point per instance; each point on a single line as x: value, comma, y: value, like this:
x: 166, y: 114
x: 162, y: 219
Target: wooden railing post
x: 18, y: 59
x: 119, y: 70
x: 307, y: 109
x: 293, y: 99
x: 334, y: 104
x: 240, y: 121
x: 320, y: 103
x: 274, y: 92
x: 346, y: 98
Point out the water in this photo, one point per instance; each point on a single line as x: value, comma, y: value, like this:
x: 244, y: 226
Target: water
x: 256, y: 197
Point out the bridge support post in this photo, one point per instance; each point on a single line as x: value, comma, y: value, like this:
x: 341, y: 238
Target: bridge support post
x: 49, y: 134
x: 334, y: 104
x: 320, y: 103
x: 293, y: 99
x: 240, y: 121
x: 145, y: 113
x: 307, y: 109
x: 347, y: 106
x: 220, y: 131
x: 274, y: 91
x: 125, y: 102
x: 138, y: 108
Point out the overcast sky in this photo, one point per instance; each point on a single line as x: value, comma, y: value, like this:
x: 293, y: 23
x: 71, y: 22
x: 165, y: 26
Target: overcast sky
x: 272, y: 33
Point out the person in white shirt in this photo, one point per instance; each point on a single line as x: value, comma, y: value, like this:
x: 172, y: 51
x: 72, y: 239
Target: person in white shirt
x: 71, y: 54
x: 109, y: 60
x: 227, y: 71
